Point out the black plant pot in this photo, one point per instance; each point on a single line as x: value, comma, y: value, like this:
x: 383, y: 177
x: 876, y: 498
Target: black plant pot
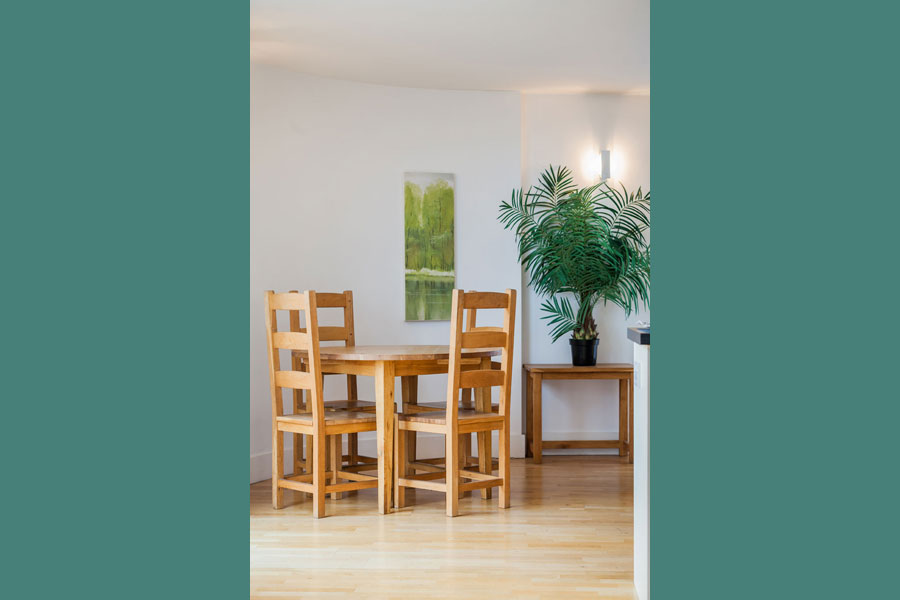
x: 584, y: 352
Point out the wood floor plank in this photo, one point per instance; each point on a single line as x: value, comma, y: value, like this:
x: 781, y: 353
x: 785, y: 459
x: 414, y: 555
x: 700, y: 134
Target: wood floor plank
x: 568, y: 534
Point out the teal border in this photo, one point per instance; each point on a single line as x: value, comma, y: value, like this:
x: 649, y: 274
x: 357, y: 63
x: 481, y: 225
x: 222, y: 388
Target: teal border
x: 124, y: 233
x: 125, y: 237
x: 774, y: 414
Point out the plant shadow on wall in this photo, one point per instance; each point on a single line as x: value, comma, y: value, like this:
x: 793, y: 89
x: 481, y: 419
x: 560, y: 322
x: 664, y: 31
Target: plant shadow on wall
x: 586, y: 242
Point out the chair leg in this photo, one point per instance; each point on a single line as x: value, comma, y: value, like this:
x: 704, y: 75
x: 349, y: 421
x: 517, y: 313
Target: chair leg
x: 353, y: 447
x: 277, y: 468
x: 466, y: 398
x: 463, y: 440
x: 485, y: 455
x: 409, y: 395
x: 504, y: 464
x: 318, y: 474
x: 298, y: 437
x: 352, y: 454
x: 400, y: 465
x: 466, y: 402
x: 485, y: 459
x: 488, y: 493
x: 336, y: 461
x: 298, y: 453
x: 310, y: 452
x: 451, y: 443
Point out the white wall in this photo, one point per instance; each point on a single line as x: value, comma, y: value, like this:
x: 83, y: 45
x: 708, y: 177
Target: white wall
x: 326, y: 165
x: 326, y: 208
x: 564, y: 129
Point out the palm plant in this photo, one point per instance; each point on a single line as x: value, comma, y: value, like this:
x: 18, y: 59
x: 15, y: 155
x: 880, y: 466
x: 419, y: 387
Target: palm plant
x: 588, y: 242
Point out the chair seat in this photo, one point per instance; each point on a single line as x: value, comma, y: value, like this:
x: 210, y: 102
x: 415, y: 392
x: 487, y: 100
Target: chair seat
x: 352, y: 405
x: 439, y: 417
x: 443, y: 405
x: 431, y: 406
x: 331, y: 417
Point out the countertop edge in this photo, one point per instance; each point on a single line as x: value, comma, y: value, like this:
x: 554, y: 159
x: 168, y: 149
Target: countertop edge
x: 639, y: 335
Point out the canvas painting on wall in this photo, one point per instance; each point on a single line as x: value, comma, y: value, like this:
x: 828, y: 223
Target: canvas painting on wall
x: 428, y: 226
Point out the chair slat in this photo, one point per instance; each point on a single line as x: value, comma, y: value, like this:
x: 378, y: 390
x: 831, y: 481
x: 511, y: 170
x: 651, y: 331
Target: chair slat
x: 288, y: 301
x: 480, y: 379
x: 332, y: 334
x: 485, y: 300
x: 330, y: 300
x: 290, y: 340
x: 483, y: 339
x: 294, y: 379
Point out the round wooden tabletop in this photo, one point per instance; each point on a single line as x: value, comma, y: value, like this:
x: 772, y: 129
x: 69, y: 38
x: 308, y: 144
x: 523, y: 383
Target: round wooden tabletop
x: 407, y: 352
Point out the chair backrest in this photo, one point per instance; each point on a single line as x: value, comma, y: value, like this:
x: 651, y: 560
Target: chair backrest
x: 343, y: 300
x: 346, y: 333
x: 480, y: 337
x: 305, y: 339
x: 472, y: 317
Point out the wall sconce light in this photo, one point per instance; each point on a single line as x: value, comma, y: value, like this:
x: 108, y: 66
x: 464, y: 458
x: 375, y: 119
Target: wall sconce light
x: 597, y: 164
x: 604, y: 165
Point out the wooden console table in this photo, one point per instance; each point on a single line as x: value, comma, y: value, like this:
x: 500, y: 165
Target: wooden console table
x: 534, y: 375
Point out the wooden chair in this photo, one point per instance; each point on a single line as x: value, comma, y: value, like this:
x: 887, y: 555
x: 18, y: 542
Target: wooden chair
x: 318, y: 423
x: 347, y: 335
x: 454, y: 421
x: 485, y: 442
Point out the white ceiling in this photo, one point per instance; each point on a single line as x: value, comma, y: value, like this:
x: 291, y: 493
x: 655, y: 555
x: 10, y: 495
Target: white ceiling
x: 553, y: 46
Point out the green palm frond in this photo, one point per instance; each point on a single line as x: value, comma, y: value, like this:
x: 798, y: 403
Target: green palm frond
x: 587, y: 242
x: 560, y: 316
x: 555, y: 185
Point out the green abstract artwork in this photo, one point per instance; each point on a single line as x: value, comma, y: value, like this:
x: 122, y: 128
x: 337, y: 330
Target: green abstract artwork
x: 428, y: 200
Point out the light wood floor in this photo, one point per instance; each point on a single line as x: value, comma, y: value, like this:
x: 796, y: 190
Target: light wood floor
x: 568, y: 534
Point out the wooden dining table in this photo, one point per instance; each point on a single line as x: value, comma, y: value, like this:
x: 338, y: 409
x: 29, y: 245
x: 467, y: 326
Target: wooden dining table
x: 384, y: 363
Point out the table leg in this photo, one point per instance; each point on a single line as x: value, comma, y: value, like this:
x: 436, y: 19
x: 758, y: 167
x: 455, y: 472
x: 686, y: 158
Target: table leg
x: 529, y: 409
x: 623, y: 415
x: 352, y: 438
x: 409, y: 392
x: 384, y: 412
x: 485, y: 452
x: 631, y: 420
x: 537, y: 433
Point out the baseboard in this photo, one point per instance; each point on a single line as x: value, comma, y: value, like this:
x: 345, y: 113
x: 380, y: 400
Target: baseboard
x: 580, y: 435
x: 261, y: 466
x: 427, y: 446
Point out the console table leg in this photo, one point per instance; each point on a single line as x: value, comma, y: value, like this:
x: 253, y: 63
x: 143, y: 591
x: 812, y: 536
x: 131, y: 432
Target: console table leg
x: 537, y: 425
x: 623, y: 415
x: 529, y: 437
